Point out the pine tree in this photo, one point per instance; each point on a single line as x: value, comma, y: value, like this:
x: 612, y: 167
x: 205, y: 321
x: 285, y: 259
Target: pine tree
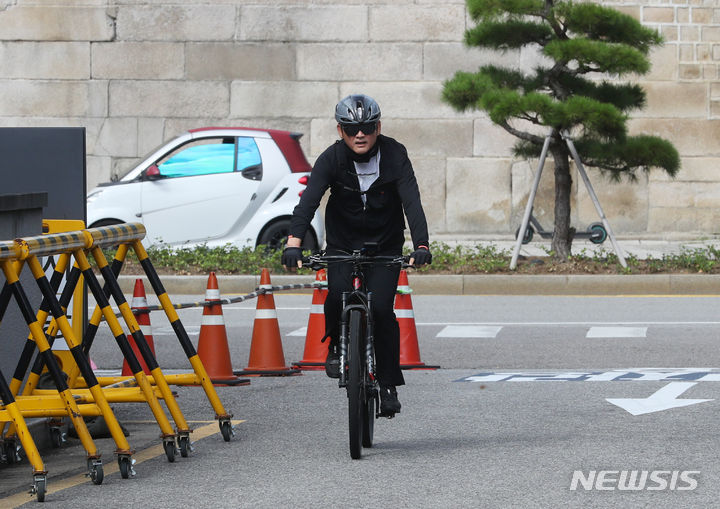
x: 588, y: 47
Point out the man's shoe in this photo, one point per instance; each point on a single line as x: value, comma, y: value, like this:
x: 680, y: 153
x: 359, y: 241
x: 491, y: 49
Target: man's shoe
x: 389, y: 404
x: 332, y: 363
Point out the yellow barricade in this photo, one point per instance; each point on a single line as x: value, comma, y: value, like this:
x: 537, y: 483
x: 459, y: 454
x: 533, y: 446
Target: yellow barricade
x: 85, y: 395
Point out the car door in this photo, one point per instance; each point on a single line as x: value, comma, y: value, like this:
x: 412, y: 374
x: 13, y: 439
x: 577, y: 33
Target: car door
x: 199, y: 190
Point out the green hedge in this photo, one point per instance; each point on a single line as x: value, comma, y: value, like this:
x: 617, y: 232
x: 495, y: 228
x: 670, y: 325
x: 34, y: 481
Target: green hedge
x: 459, y: 259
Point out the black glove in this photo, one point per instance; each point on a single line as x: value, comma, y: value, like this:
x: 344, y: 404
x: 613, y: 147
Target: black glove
x: 422, y: 256
x: 291, y: 256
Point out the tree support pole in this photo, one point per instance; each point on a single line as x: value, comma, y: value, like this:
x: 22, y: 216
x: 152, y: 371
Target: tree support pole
x: 593, y: 196
x: 591, y: 192
x: 531, y: 200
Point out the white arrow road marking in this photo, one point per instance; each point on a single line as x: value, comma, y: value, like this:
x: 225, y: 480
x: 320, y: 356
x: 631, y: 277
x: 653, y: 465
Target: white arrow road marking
x: 663, y: 399
x: 615, y: 375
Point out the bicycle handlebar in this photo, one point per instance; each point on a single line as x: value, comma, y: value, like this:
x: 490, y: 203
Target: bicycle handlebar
x: 319, y: 261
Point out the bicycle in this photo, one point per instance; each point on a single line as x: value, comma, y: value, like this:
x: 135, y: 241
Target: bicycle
x: 356, y: 344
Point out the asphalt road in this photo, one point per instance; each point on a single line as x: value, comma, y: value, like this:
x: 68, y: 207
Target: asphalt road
x: 532, y: 393
x: 535, y: 332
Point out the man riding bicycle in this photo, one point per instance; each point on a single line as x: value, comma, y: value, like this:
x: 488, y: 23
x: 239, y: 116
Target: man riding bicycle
x: 371, y: 183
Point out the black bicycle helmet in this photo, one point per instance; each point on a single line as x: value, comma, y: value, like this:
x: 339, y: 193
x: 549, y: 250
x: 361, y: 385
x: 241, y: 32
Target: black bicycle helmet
x: 357, y: 109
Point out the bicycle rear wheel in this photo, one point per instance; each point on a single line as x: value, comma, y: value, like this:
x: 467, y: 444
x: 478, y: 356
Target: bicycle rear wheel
x: 354, y: 386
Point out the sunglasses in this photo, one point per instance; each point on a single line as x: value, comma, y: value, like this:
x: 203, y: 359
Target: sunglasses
x: 353, y: 129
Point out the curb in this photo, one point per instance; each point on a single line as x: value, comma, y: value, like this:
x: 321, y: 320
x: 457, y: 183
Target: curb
x: 438, y: 284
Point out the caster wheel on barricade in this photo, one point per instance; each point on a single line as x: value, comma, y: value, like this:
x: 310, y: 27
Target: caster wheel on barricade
x: 227, y: 430
x: 57, y: 437
x: 11, y: 451
x: 185, y: 446
x: 126, y: 466
x: 169, y: 446
x: 95, y: 471
x: 39, y: 487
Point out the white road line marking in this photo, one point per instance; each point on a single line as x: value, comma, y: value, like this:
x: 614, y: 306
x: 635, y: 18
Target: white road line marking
x: 606, y: 323
x: 469, y: 331
x: 243, y: 308
x: 168, y: 331
x: 616, y: 332
x: 302, y: 331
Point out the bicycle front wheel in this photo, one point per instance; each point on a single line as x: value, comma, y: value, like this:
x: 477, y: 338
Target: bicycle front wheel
x: 354, y: 386
x: 368, y: 416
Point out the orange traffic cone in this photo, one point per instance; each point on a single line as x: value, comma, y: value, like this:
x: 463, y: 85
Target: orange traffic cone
x: 213, y: 347
x: 266, y: 351
x: 315, y: 351
x: 142, y: 315
x: 409, y: 349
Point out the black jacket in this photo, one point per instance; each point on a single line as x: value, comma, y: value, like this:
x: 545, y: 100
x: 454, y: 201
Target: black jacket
x: 348, y: 222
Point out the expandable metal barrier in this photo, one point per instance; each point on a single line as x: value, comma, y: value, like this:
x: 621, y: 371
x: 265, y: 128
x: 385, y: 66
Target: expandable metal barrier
x: 84, y: 394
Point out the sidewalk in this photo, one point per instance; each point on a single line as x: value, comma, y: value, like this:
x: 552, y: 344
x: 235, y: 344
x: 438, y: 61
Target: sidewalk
x: 506, y: 284
x: 640, y: 247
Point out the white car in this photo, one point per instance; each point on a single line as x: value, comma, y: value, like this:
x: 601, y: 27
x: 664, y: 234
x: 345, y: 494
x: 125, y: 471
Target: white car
x: 212, y: 186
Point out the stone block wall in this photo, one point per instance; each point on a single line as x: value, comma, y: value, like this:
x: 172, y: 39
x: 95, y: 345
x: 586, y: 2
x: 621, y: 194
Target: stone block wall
x: 138, y: 72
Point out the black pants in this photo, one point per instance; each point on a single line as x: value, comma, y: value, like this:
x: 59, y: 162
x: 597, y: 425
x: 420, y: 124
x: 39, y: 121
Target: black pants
x: 382, y: 282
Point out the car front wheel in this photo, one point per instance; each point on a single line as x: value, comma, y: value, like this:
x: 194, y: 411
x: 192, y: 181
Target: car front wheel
x: 275, y: 235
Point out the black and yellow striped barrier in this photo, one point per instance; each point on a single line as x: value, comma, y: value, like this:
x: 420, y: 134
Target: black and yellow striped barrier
x: 63, y: 402
x: 93, y: 399
x: 12, y: 406
x: 11, y: 413
x: 28, y: 251
x: 102, y: 237
x: 108, y: 236
x: 8, y: 250
x: 129, y: 235
x: 28, y: 404
x: 146, y: 393
x: 45, y: 245
x: 30, y: 248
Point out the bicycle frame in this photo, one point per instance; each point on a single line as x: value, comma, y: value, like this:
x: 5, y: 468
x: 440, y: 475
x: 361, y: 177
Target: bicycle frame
x: 358, y: 298
x: 362, y: 302
x: 357, y: 347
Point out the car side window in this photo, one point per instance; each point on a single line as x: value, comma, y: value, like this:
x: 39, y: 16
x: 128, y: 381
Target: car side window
x: 200, y: 157
x: 249, y: 162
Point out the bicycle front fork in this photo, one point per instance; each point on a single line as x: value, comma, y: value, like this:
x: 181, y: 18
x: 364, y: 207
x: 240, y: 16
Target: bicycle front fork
x: 343, y: 342
x: 369, y: 357
x: 370, y: 344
